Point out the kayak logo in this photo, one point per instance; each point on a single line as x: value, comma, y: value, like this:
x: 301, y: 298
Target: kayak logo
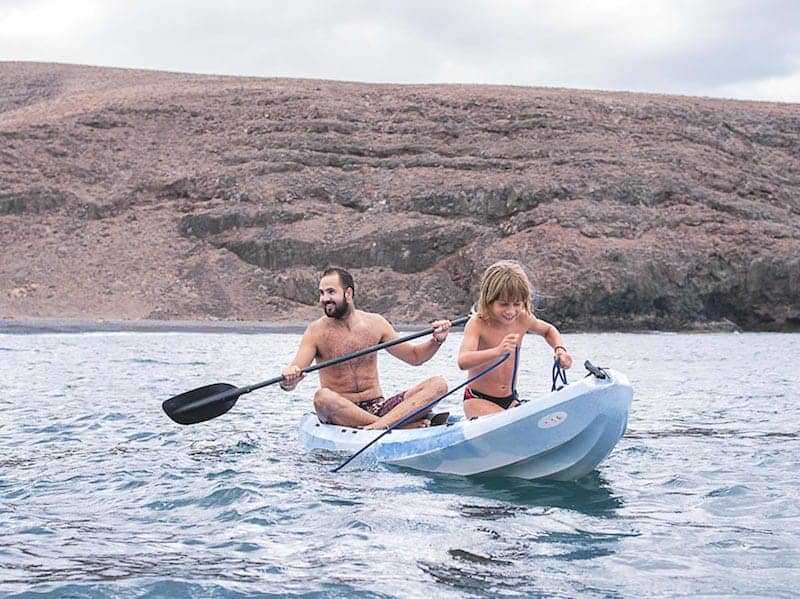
x: 551, y: 420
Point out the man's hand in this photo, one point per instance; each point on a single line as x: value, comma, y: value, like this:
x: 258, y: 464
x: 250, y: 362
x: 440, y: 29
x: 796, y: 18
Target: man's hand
x: 291, y: 376
x: 440, y: 330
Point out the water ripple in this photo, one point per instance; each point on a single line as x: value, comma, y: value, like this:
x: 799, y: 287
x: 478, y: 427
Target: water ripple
x: 102, y: 496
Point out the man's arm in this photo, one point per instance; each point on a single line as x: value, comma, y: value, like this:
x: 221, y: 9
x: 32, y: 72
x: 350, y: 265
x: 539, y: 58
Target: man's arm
x: 306, y: 353
x: 421, y: 352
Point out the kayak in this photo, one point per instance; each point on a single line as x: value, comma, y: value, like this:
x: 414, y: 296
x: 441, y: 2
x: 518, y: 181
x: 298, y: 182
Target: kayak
x: 560, y: 435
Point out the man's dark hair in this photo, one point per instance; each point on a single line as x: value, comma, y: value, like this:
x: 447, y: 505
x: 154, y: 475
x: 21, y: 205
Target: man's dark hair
x: 345, y: 277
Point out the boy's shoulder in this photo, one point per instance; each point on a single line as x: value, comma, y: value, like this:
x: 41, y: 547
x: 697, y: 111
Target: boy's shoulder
x: 477, y: 321
x: 534, y: 324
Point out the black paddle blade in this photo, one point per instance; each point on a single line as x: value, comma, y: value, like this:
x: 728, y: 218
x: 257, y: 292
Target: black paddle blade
x: 199, y: 405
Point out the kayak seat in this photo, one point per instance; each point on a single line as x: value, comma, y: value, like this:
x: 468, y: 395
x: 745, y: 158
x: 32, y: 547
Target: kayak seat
x: 440, y: 418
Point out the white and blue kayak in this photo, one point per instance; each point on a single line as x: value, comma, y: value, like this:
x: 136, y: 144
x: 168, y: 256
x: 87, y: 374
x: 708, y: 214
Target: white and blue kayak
x: 561, y: 435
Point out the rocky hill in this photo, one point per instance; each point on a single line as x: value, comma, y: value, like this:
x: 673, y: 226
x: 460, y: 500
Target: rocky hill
x: 146, y: 195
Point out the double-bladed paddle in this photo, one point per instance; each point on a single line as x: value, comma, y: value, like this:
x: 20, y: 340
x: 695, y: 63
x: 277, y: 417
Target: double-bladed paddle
x: 205, y: 403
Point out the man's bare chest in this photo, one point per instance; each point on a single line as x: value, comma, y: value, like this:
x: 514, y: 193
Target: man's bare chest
x: 335, y: 343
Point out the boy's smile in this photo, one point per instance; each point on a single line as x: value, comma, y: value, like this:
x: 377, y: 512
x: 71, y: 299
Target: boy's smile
x: 506, y: 311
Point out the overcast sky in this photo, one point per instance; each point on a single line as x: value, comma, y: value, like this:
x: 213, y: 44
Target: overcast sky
x: 748, y: 49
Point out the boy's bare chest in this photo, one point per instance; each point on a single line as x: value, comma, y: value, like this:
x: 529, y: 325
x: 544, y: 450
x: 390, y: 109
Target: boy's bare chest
x: 492, y: 336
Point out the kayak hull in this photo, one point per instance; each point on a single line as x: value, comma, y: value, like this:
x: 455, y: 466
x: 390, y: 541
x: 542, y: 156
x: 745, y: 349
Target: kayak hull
x: 561, y: 435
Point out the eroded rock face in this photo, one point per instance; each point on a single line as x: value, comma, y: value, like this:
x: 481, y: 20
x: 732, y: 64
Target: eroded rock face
x: 131, y: 194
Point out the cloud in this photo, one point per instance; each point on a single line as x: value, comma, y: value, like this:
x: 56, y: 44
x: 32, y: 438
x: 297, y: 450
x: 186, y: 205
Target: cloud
x: 45, y: 22
x: 737, y: 48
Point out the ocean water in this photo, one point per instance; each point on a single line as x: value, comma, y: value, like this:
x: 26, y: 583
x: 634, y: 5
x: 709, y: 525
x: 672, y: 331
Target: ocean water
x: 101, y: 495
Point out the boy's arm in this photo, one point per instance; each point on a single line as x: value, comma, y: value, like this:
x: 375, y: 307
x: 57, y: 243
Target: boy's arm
x: 553, y: 338
x: 306, y: 353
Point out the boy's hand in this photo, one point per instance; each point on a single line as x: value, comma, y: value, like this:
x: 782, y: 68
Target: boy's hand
x: 508, y: 344
x: 561, y: 354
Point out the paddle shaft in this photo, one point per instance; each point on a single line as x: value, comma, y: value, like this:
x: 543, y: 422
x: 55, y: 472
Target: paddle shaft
x: 236, y: 392
x: 354, y: 355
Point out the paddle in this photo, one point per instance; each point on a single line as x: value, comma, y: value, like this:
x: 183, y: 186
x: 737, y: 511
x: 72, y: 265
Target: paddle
x: 205, y: 403
x: 423, y: 409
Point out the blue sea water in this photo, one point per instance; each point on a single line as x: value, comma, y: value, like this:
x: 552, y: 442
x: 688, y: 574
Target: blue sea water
x: 101, y: 495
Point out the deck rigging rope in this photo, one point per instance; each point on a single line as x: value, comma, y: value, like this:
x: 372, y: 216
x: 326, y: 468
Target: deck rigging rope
x: 514, y: 393
x: 558, y: 374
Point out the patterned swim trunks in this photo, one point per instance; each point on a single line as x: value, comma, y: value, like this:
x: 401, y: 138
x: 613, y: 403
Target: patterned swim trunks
x: 379, y: 406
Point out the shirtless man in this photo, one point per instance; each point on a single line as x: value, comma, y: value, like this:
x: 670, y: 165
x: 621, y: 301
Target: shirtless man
x: 350, y: 393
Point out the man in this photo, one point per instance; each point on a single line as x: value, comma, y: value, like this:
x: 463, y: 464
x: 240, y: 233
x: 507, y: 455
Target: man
x: 350, y: 393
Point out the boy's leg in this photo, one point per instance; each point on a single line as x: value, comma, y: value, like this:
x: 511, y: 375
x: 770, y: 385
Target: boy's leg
x: 480, y: 407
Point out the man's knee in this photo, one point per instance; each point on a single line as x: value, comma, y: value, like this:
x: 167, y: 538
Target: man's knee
x: 437, y: 385
x: 323, y: 398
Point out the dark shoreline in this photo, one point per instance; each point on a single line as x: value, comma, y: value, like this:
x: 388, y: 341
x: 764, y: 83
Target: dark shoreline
x: 34, y: 326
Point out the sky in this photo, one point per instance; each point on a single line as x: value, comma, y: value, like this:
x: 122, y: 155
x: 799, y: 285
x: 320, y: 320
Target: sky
x: 745, y: 49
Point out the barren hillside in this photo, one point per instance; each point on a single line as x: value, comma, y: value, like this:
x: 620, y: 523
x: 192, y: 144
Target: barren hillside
x: 146, y: 195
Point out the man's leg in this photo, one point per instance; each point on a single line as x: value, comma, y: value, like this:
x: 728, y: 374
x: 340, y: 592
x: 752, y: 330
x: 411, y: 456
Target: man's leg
x: 415, y: 399
x: 335, y: 409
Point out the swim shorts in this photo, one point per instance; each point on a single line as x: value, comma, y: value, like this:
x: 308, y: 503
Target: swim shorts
x: 379, y: 406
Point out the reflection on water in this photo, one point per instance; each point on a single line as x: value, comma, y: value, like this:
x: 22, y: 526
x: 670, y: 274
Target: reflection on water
x: 521, y: 521
x: 592, y: 495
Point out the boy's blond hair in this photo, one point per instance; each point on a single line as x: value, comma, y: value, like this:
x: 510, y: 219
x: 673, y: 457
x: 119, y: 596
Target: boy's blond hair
x: 504, y: 280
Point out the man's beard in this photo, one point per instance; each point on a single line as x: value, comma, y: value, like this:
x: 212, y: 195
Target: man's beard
x: 337, y: 311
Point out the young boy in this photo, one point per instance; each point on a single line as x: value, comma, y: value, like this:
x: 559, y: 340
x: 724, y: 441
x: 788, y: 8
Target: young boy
x: 503, y: 317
